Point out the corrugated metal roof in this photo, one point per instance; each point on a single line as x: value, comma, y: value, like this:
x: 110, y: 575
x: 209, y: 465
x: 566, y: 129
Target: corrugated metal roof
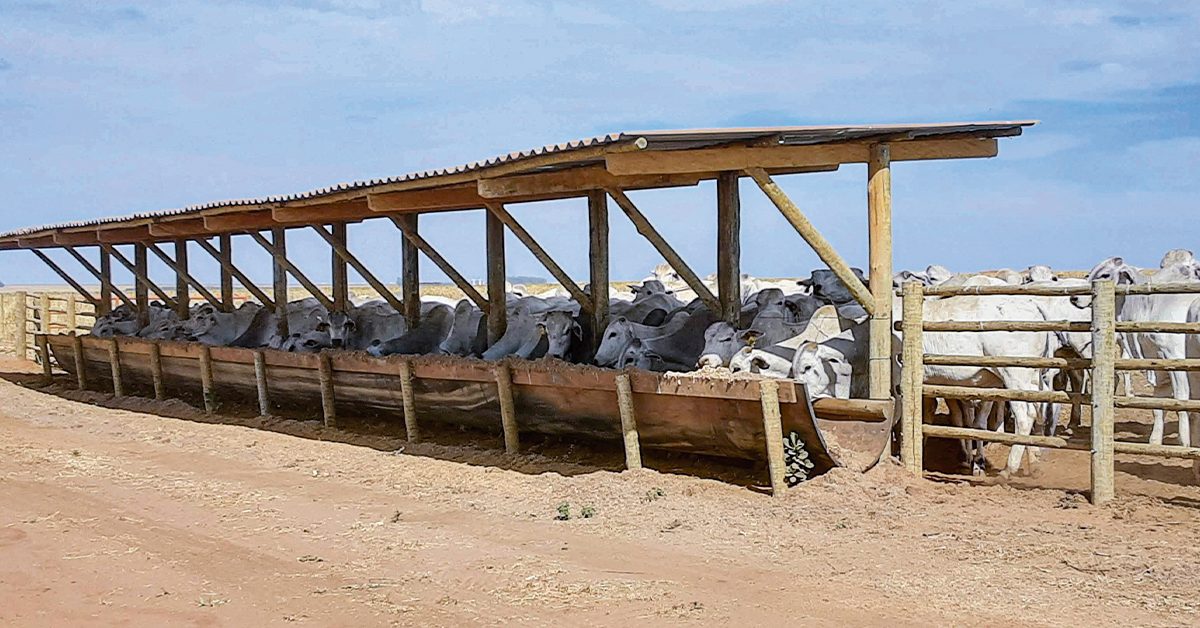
x: 681, y: 139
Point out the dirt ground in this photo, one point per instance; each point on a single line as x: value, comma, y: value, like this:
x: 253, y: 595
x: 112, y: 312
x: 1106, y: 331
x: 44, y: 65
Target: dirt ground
x: 117, y: 516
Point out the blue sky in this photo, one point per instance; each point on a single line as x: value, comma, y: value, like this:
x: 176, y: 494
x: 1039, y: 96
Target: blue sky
x: 116, y: 107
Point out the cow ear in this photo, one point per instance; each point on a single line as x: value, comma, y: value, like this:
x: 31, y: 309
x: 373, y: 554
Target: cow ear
x: 758, y: 362
x: 750, y: 336
x: 636, y: 343
x: 634, y: 289
x: 577, y: 330
x: 322, y: 326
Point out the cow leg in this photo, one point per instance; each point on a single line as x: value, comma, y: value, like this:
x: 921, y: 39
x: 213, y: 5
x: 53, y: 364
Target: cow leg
x: 958, y: 410
x: 1156, y: 430
x: 1179, y: 382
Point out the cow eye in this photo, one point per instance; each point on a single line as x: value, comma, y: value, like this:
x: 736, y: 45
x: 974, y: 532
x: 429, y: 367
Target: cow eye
x: 612, y: 334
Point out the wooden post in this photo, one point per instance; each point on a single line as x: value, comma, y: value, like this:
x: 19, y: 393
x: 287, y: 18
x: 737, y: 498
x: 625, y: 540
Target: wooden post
x: 206, y: 380
x: 106, y: 286
x: 879, y: 219
x: 328, y: 407
x: 21, y: 338
x: 44, y: 314
x: 410, y: 273
x: 1104, y: 349
x: 773, y: 430
x: 260, y: 382
x: 72, y: 314
x: 64, y: 275
x: 156, y: 372
x: 141, y: 290
x: 541, y: 255
x: 228, y: 267
x: 279, y: 279
x: 339, y: 248
x: 633, y: 447
x: 183, y: 295
x: 114, y: 363
x: 225, y: 241
x: 439, y: 261
x: 598, y: 246
x: 293, y: 270
x: 340, y: 272
x: 44, y: 351
x: 80, y: 362
x: 729, y: 247
x: 411, y: 429
x: 508, y: 417
x: 912, y: 379
x: 497, y: 316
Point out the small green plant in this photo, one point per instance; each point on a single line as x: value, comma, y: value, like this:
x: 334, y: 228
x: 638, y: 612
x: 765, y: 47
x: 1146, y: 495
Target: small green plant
x: 654, y: 494
x: 796, y: 459
x: 587, y: 512
x: 564, y: 512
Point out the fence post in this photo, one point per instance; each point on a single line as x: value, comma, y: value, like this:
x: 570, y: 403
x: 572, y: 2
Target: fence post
x: 912, y: 379
x: 412, y: 430
x: 72, y: 314
x: 23, y: 308
x: 114, y: 363
x: 206, y: 380
x: 1104, y: 349
x: 508, y: 415
x: 328, y: 405
x: 44, y: 350
x: 633, y: 446
x: 260, y: 383
x: 768, y: 392
x: 156, y: 372
x: 80, y: 362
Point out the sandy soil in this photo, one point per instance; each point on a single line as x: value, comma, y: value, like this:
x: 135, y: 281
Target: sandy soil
x: 112, y: 516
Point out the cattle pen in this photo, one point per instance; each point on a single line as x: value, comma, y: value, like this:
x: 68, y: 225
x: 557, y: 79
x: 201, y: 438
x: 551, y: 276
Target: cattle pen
x: 737, y: 418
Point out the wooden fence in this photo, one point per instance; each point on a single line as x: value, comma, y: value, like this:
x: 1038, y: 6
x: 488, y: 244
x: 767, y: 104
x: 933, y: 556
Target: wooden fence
x: 1103, y: 365
x: 25, y: 314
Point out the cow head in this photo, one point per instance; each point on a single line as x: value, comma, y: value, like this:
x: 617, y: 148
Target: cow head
x: 1112, y: 269
x: 560, y: 330
x: 749, y: 360
x: 824, y: 371
x: 340, y: 328
x: 616, y: 337
x: 721, y: 341
x: 1177, y: 256
x: 637, y: 355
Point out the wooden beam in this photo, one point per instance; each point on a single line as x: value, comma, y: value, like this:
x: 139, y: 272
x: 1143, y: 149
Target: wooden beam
x: 225, y: 258
x: 574, y: 181
x: 598, y: 249
x: 128, y: 235
x: 42, y: 242
x: 280, y: 255
x: 67, y: 278
x: 434, y: 199
x: 814, y: 238
x: 410, y: 272
x: 279, y: 278
x: 341, y: 212
x: 142, y: 280
x: 497, y: 316
x: 729, y: 247
x: 338, y: 273
x: 660, y: 244
x: 106, y: 284
x: 879, y: 223
x: 85, y: 238
x: 241, y: 222
x: 190, y: 228
x: 339, y: 248
x: 443, y: 265
x: 183, y: 278
x: 745, y: 157
x: 497, y: 209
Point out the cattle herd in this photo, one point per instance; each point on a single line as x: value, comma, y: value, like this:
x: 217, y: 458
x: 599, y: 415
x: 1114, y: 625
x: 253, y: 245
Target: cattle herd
x: 809, y: 329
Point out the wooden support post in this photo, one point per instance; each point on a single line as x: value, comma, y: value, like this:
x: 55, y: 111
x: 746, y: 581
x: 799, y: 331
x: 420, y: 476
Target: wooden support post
x: 225, y: 258
x: 80, y: 362
x: 183, y: 296
x: 114, y: 364
x: 408, y: 398
x: 773, y: 430
x: 22, y: 336
x: 227, y: 266
x: 206, y: 380
x: 279, y: 279
x: 281, y: 259
x: 660, y: 244
x: 340, y: 276
x: 410, y: 273
x: 497, y: 316
x: 104, y: 274
x: 443, y: 265
x: 508, y: 413
x: 65, y: 276
x: 879, y: 219
x: 819, y: 244
x: 541, y: 255
x: 339, y: 248
x: 44, y: 314
x: 729, y: 247
x: 1104, y: 351
x: 156, y: 373
x: 633, y: 447
x: 912, y: 379
x: 43, y: 347
x: 260, y: 383
x: 73, y: 314
x: 598, y: 246
x: 141, y: 281
x: 325, y: 372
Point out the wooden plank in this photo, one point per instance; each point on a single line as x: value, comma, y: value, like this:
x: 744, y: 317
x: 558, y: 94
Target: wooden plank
x: 280, y: 256
x: 412, y: 430
x: 497, y: 313
x: 225, y: 258
x: 1032, y: 440
x: 125, y: 235
x: 729, y: 247
x: 443, y: 265
x: 912, y: 378
x: 1009, y: 362
x: 1158, y: 403
x: 328, y: 403
x: 855, y: 410
x: 1026, y: 326
x: 629, y: 434
x: 573, y: 181
x: 339, y: 248
x: 142, y: 281
x: 879, y: 279
x: 497, y: 209
x: 1003, y: 394
x: 67, y: 278
x: 189, y: 228
x: 85, y: 238
x: 1161, y: 451
x: 773, y: 429
x: 410, y: 272
x: 183, y: 278
x: 340, y: 212
x: 279, y: 278
x: 104, y: 275
x: 246, y: 221
x: 660, y: 244
x: 156, y: 373
x: 339, y: 272
x: 743, y: 158
x: 21, y: 335
x: 815, y: 240
x: 206, y: 380
x: 464, y: 196
x: 598, y: 272
x: 80, y: 369
x: 260, y: 384
x: 1104, y: 351
x: 508, y: 416
x: 1157, y: 364
x: 114, y: 360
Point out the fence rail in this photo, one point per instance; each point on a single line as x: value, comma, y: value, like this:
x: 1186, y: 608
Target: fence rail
x: 1103, y: 365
